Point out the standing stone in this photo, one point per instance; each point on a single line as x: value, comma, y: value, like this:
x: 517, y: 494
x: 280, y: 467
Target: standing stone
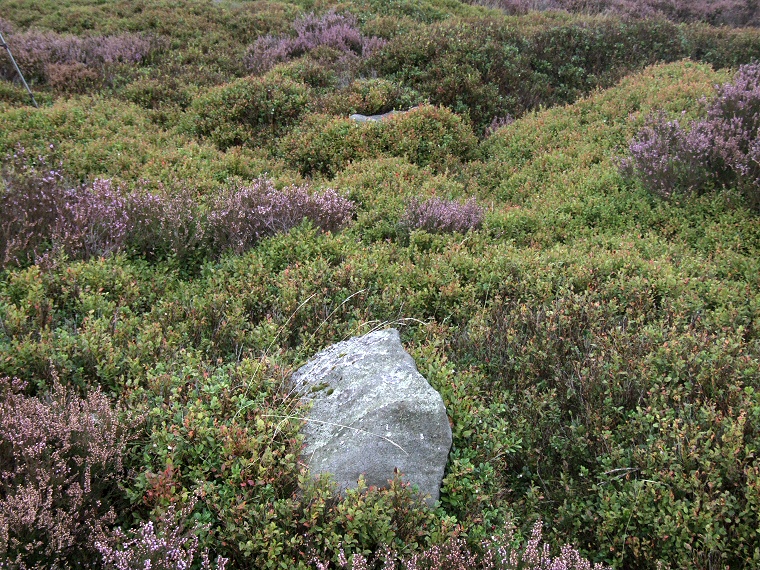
x: 372, y: 413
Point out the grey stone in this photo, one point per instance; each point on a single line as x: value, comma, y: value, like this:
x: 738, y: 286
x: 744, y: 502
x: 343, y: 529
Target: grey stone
x: 369, y: 118
x: 373, y: 413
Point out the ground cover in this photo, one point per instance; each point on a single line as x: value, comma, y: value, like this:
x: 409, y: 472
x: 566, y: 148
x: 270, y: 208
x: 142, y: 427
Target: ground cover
x: 596, y: 344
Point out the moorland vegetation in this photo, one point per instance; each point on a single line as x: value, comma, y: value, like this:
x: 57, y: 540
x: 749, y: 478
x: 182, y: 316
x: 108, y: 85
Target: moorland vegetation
x: 564, y: 226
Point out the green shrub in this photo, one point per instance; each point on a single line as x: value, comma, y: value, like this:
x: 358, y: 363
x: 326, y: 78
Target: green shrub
x: 248, y: 110
x: 230, y: 435
x: 721, y: 46
x: 490, y: 68
x: 425, y: 136
x: 429, y: 136
x: 154, y: 93
x: 306, y: 70
x: 322, y: 144
x: 369, y: 97
x: 383, y: 187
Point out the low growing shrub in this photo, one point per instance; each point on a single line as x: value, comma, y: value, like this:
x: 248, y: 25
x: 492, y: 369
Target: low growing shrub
x: 720, y: 151
x: 243, y: 216
x: 497, y: 553
x: 442, y: 216
x: 40, y: 211
x: 339, y: 32
x: 167, y: 544
x: 165, y: 224
x: 369, y: 97
x: 425, y: 136
x: 490, y: 67
x: 66, y: 60
x: 248, y: 109
x: 61, y: 462
x: 720, y: 12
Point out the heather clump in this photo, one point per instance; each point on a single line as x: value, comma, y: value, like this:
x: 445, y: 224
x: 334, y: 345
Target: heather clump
x: 42, y: 211
x: 67, y: 60
x: 164, y: 224
x: 721, y: 150
x: 243, y: 216
x: 167, y: 544
x: 61, y: 466
x: 437, y: 215
x: 497, y: 553
x: 339, y: 32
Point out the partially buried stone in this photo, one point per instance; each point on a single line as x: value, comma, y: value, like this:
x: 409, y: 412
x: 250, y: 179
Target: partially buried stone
x: 372, y: 118
x: 373, y: 413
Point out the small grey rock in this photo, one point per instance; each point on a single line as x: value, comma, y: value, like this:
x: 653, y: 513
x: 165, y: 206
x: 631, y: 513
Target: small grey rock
x: 369, y: 118
x: 372, y: 413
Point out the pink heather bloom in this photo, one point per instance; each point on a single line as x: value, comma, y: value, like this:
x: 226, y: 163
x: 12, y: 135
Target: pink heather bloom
x: 441, y: 216
x: 336, y: 31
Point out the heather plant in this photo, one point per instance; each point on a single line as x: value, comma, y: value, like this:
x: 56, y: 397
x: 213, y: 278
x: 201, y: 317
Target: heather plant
x: 164, y: 224
x: 31, y: 200
x: 496, y: 553
x: 42, y: 214
x: 339, y: 32
x: 437, y: 215
x: 719, y: 151
x: 61, y: 465
x: 498, y: 123
x: 57, y: 58
x: 41, y: 211
x: 664, y: 159
x: 242, y: 216
x: 168, y: 544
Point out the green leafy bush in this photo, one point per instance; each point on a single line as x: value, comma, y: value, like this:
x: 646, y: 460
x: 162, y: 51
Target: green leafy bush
x: 489, y: 68
x: 249, y: 110
x: 369, y: 97
x: 231, y: 435
x: 425, y: 135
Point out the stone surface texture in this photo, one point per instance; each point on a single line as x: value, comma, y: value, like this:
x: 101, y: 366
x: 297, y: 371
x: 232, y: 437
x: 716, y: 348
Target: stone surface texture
x: 372, y: 413
x: 372, y: 118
